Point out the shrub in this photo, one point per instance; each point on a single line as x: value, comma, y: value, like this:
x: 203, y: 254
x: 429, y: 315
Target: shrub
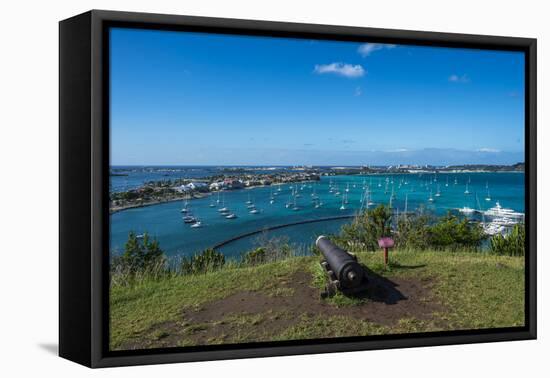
x: 412, y: 232
x: 254, y: 257
x: 140, y: 254
x: 365, y: 230
x: 207, y: 261
x: 142, y: 258
x: 452, y: 233
x: 512, y: 244
x: 268, y: 250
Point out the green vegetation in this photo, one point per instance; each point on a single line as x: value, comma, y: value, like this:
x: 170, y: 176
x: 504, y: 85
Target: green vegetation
x: 270, y: 250
x: 410, y: 231
x: 512, y: 244
x: 207, y: 261
x: 142, y: 256
x: 437, y: 280
x: 470, y: 290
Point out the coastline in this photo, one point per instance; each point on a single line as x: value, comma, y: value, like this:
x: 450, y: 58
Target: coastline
x: 118, y: 209
x: 193, y: 196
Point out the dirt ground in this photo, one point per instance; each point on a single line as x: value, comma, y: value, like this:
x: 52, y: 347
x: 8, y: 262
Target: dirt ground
x: 250, y: 316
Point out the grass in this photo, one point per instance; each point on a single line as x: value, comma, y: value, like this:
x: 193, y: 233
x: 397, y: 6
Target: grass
x: 474, y: 291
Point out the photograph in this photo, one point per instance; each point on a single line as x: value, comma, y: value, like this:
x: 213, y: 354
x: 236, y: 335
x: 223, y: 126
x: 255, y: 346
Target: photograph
x: 266, y: 189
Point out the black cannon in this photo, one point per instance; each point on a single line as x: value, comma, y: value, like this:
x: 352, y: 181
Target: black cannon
x: 342, y: 269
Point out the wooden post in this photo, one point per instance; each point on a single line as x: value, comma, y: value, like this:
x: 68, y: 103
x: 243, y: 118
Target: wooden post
x: 386, y: 244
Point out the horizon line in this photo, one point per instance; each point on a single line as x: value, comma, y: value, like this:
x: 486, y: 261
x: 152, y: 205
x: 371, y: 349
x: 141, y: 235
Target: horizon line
x: 310, y: 165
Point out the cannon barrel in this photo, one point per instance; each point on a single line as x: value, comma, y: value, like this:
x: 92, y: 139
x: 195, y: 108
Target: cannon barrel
x: 345, y: 267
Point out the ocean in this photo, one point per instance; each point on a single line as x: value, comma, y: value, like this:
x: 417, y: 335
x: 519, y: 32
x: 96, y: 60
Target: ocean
x: 411, y: 191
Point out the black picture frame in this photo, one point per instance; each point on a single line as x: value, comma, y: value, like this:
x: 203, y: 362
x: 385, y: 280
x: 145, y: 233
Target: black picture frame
x: 84, y: 180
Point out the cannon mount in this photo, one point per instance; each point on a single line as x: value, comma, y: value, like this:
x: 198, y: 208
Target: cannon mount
x: 333, y: 284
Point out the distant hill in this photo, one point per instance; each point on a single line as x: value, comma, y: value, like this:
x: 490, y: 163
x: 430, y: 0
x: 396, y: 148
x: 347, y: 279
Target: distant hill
x: 518, y: 167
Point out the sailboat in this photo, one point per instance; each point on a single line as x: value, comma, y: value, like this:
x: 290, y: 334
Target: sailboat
x: 438, y: 193
x: 212, y: 202
x: 289, y: 202
x: 488, y: 198
x: 271, y: 197
x: 369, y: 199
x: 188, y: 219
x: 185, y: 210
x: 248, y: 202
x: 314, y: 195
x: 197, y: 224
x: 447, y: 183
x: 224, y: 210
x: 430, y: 199
x: 295, y: 205
x: 466, y: 191
x: 342, y: 207
x: 254, y: 211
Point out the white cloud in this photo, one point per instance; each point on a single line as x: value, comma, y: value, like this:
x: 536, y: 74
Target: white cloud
x: 358, y: 92
x: 398, y: 150
x: 459, y: 79
x: 487, y: 149
x: 342, y: 69
x: 367, y: 49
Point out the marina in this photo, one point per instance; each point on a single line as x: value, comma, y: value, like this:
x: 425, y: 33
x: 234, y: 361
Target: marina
x: 190, y: 226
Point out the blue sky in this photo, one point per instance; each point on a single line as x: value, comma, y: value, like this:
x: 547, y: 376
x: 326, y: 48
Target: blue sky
x: 193, y: 99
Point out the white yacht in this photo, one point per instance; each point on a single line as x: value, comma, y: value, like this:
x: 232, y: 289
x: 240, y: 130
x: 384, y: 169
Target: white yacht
x: 466, y: 210
x: 231, y: 216
x: 501, y: 212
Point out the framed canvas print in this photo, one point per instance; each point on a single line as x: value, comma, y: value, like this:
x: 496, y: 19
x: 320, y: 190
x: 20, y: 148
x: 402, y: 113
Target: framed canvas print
x: 233, y: 188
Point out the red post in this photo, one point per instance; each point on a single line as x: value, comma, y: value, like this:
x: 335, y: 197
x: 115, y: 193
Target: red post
x: 385, y: 257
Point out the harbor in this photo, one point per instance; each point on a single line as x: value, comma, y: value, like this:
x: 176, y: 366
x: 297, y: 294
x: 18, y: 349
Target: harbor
x: 187, y: 226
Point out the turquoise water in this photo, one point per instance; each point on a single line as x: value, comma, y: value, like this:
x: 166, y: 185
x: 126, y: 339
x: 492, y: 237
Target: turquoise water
x: 164, y: 221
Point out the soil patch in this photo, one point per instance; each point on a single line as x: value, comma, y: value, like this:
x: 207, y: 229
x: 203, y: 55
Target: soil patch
x: 249, y: 316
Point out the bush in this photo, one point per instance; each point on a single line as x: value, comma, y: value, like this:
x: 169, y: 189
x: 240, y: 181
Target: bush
x: 140, y: 254
x: 142, y: 258
x: 254, y: 257
x: 207, y: 261
x: 268, y: 250
x: 413, y: 232
x: 451, y: 233
x: 366, y: 229
x: 512, y: 244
